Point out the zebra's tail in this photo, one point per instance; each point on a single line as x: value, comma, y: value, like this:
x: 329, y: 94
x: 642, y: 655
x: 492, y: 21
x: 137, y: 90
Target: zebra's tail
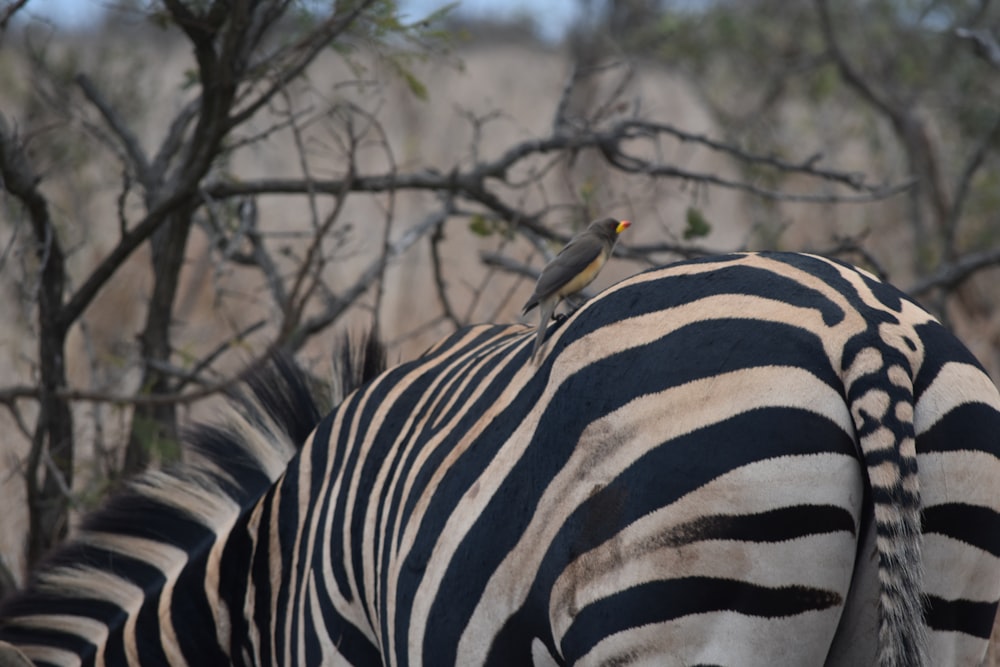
x: 880, y: 395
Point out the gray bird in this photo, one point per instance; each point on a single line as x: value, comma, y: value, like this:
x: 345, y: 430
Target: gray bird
x: 575, y: 267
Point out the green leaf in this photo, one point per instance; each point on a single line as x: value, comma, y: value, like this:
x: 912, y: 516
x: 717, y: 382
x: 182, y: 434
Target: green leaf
x: 416, y: 86
x: 398, y: 65
x: 697, y: 225
x: 191, y: 79
x: 480, y: 226
x: 150, y: 434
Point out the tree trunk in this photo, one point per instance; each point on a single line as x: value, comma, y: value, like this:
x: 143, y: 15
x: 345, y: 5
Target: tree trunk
x: 51, y: 458
x: 155, y: 426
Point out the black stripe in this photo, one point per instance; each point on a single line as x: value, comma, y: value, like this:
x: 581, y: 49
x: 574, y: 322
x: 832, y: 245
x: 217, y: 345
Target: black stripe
x: 260, y: 574
x: 312, y: 648
x: 60, y: 602
x: 135, y: 571
x: 971, y: 524
x: 973, y: 427
x: 674, y: 290
x: 147, y: 630
x: 707, y: 348
x: 318, y: 453
x: 668, y: 472
x: 943, y: 347
x: 644, y: 605
x: 971, y: 618
x: 191, y: 614
x: 234, y: 572
x: 888, y: 296
x: 778, y: 525
x: 128, y: 514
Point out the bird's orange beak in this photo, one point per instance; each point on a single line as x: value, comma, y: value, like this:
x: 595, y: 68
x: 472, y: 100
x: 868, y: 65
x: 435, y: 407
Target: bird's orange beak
x: 622, y: 226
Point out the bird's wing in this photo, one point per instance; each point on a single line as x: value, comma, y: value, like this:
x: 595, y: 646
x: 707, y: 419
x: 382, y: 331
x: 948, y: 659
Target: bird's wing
x: 570, y: 262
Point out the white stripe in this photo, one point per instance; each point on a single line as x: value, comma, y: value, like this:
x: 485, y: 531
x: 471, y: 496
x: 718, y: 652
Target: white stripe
x: 956, y: 384
x: 721, y: 638
x: 956, y: 648
x: 959, y: 571
x: 52, y: 655
x: 963, y: 476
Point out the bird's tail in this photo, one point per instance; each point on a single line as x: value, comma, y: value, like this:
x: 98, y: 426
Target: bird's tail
x: 545, y: 310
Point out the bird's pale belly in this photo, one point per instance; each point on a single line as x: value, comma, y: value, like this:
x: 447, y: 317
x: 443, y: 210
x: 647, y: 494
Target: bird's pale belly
x: 583, y: 278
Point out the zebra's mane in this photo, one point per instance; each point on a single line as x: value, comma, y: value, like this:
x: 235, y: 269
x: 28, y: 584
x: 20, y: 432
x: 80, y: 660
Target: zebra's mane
x: 145, y: 534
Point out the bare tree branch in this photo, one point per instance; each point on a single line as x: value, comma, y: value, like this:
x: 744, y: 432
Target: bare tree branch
x: 8, y: 12
x: 117, y: 124
x: 509, y: 265
x: 984, y: 44
x: 53, y: 434
x: 952, y: 274
x: 471, y: 184
x: 972, y: 166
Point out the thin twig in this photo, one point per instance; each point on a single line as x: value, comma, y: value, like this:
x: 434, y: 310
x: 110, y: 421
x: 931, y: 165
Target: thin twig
x: 365, y: 279
x: 847, y: 70
x: 436, y: 270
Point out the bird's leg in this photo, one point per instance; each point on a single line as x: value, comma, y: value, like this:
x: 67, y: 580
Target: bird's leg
x: 575, y: 301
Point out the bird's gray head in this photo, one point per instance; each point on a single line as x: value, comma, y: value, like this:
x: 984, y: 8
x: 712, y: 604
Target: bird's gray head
x: 609, y: 228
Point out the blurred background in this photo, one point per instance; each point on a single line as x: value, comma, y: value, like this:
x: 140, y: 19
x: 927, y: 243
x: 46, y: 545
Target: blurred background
x: 189, y: 186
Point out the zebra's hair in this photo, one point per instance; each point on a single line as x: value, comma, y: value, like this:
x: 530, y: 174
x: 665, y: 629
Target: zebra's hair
x: 228, y: 466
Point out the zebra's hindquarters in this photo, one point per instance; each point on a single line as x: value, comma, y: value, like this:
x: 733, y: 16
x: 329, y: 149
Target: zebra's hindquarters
x: 782, y: 334
x: 671, y: 526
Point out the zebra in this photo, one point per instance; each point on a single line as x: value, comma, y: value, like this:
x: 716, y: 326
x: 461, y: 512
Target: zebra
x: 747, y: 459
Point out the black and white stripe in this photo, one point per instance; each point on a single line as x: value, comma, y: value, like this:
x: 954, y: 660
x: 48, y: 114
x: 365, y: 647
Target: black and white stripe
x: 766, y: 459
